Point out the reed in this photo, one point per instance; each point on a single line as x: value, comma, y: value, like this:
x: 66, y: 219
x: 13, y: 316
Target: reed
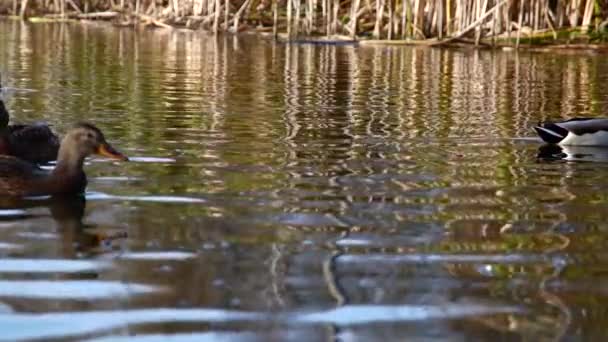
x: 440, y: 20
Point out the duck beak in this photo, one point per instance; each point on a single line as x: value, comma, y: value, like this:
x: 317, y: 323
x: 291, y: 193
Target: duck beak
x: 108, y: 151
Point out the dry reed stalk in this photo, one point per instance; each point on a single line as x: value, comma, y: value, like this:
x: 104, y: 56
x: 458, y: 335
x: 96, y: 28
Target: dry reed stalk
x: 313, y: 10
x: 389, y: 31
x: 587, y: 15
x: 74, y: 6
x: 216, y: 16
x: 107, y: 15
x: 327, y: 16
x: 323, y: 8
x: 547, y: 16
x: 309, y: 13
x: 440, y: 18
x: 298, y: 5
x: 226, y: 13
x: 478, y: 22
x: 458, y: 15
x: 507, y: 18
x: 448, y: 17
x: 404, y: 11
x: 537, y: 13
x: 378, y: 24
x: 574, y: 7
x: 289, y: 4
x: 418, y: 17
x: 334, y: 25
x: 478, y: 12
x: 495, y: 24
x: 238, y: 14
x: 176, y: 7
x: 23, y: 9
x: 467, y: 13
x: 432, y: 17
x: 481, y: 11
x: 354, y: 9
x: 275, y: 19
x: 521, y: 16
x: 560, y: 14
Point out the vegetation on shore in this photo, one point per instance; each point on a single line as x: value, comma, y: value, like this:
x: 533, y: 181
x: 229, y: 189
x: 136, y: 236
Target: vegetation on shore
x: 429, y: 21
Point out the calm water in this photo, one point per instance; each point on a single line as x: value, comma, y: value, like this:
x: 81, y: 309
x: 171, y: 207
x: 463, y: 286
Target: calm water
x: 293, y: 192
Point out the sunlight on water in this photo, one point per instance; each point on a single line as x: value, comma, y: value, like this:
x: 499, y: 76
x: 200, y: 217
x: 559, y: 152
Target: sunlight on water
x: 50, y: 265
x: 12, y: 212
x: 9, y: 246
x: 54, y: 325
x: 191, y: 337
x: 72, y: 289
x: 168, y: 255
x: 151, y: 160
x: 160, y: 199
x: 366, y: 314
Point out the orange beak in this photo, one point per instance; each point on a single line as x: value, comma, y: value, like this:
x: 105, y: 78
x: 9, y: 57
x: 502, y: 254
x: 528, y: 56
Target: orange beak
x: 108, y: 151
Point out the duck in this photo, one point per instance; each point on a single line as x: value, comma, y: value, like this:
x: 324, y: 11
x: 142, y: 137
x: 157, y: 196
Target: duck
x: 575, y: 132
x: 34, y: 143
x: 20, y: 178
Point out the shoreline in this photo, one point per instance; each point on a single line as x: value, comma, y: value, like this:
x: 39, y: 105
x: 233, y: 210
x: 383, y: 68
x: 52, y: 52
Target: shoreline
x: 538, y: 42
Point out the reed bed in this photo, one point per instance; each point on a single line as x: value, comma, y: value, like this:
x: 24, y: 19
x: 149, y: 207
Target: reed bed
x: 432, y: 21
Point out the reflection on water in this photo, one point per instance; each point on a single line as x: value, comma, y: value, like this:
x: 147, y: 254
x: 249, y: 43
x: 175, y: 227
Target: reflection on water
x: 573, y: 153
x: 305, y: 191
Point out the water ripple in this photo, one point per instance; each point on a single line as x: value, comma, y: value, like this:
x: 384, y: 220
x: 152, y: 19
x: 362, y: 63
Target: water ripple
x: 72, y: 289
x: 57, y: 325
x: 160, y: 199
x: 8, y: 265
x: 190, y: 337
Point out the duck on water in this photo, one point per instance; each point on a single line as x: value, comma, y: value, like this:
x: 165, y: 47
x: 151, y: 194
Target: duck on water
x: 575, y: 132
x: 34, y: 143
x: 20, y: 178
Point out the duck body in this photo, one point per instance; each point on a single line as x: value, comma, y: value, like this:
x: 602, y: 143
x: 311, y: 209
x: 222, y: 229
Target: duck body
x: 34, y: 143
x: 20, y: 178
x: 575, y: 132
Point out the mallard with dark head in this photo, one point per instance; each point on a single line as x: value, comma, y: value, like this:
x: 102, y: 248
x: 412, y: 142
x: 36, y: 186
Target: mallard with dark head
x: 34, y: 143
x: 21, y: 178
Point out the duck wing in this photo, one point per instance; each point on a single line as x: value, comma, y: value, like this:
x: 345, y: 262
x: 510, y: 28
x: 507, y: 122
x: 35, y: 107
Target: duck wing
x: 34, y: 143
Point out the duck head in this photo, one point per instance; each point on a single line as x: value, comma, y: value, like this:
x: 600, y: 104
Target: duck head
x: 83, y: 140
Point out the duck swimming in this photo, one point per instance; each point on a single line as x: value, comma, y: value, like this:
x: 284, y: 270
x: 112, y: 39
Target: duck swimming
x: 21, y: 178
x: 34, y: 143
x: 575, y: 132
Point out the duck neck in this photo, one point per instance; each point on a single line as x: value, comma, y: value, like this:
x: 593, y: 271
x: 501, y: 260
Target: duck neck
x: 69, y: 160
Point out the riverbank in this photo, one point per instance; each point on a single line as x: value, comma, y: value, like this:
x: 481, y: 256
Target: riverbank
x: 535, y: 23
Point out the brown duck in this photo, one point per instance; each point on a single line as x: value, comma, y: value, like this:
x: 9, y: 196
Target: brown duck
x: 21, y: 178
x: 34, y: 143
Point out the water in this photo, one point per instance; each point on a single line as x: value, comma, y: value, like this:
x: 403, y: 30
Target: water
x: 300, y: 192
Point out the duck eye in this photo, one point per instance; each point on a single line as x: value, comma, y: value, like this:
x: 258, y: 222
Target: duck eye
x: 90, y: 136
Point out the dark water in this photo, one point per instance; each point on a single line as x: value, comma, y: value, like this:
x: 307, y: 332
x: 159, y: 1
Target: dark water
x: 285, y: 192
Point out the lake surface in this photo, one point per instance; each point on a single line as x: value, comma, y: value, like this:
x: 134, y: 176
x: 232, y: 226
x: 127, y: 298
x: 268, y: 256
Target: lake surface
x: 305, y: 192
